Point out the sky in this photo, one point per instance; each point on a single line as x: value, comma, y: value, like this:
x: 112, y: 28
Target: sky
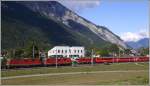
x: 126, y: 18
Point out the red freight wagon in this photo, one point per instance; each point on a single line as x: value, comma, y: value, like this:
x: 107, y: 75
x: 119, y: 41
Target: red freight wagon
x: 60, y: 61
x: 83, y: 60
x: 23, y: 62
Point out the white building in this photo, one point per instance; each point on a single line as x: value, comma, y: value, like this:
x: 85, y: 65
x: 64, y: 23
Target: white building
x: 66, y: 51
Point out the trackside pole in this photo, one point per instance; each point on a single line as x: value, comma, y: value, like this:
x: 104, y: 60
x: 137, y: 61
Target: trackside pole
x: 72, y: 62
x: 0, y: 67
x: 56, y: 59
x: 33, y: 50
x: 119, y: 56
x: 92, y: 58
x: 113, y: 57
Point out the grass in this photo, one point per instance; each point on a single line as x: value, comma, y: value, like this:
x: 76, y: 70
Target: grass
x: 104, y: 78
x: 97, y: 67
x: 143, y: 80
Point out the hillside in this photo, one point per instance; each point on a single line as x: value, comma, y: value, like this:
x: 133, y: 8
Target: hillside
x: 49, y: 24
x: 141, y: 43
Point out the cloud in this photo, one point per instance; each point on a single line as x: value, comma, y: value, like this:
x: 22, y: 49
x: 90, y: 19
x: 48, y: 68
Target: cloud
x: 79, y: 5
x: 130, y: 36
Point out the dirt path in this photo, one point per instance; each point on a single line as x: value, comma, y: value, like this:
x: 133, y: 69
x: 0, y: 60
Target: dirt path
x: 69, y: 73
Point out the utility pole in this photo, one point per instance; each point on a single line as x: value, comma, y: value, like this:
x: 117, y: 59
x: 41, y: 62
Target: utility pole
x: 92, y: 58
x: 0, y: 66
x: 119, y: 55
x: 56, y: 59
x: 114, y: 54
x: 119, y: 52
x: 33, y: 50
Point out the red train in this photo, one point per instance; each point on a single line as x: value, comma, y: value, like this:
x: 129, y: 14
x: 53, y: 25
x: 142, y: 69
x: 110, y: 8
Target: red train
x: 37, y: 62
x: 68, y: 61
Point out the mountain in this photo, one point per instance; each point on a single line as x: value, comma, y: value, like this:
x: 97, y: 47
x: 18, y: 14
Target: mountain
x: 49, y: 23
x: 141, y: 43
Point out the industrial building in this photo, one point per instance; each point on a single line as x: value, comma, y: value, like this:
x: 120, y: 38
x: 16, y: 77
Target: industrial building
x: 66, y: 51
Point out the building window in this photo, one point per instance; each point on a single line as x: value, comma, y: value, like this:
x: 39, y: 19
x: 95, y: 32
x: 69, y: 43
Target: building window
x: 62, y: 51
x: 69, y: 51
x: 65, y: 51
x: 78, y: 51
x: 58, y: 51
x: 74, y: 51
x: 81, y: 51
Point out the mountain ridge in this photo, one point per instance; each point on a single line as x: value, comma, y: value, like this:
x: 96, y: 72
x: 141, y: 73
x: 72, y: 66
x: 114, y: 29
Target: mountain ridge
x: 79, y: 32
x: 144, y: 42
x: 70, y: 15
